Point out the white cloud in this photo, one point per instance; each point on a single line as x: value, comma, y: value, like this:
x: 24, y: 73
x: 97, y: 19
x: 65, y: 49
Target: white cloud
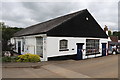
x: 60, y: 0
x: 23, y: 14
x: 111, y: 25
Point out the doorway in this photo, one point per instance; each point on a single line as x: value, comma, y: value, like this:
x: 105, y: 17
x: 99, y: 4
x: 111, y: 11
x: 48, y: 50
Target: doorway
x: 19, y: 47
x: 79, y: 51
x: 103, y: 49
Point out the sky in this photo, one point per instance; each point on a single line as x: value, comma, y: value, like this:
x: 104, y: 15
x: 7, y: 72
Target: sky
x: 26, y: 13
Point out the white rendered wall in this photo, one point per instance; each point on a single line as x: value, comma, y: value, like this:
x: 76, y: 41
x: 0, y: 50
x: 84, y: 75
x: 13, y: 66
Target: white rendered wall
x: 118, y: 40
x: 30, y: 44
x: 53, y: 46
x: 12, y: 41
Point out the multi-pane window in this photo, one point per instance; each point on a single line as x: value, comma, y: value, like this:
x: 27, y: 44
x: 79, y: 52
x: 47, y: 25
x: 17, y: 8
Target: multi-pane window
x: 63, y: 44
x: 39, y: 46
x: 92, y: 46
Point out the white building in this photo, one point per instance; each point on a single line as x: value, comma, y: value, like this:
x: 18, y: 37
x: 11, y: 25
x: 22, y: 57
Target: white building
x: 77, y: 33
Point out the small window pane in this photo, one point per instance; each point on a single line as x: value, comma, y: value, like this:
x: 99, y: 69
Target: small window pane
x: 39, y: 46
x: 63, y: 44
x: 92, y: 46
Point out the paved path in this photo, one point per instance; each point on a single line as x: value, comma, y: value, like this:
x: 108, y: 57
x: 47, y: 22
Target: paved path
x: 102, y: 67
x: 64, y: 72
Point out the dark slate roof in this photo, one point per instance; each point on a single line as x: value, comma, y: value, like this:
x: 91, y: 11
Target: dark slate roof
x: 71, y: 25
x: 45, y: 26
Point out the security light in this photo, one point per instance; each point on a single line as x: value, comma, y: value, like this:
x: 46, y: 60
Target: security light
x: 87, y: 18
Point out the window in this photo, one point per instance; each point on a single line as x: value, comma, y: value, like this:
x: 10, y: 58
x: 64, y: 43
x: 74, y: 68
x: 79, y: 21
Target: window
x: 63, y: 45
x: 39, y: 46
x: 92, y: 46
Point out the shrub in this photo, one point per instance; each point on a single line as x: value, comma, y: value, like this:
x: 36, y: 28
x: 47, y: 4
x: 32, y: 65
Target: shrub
x: 28, y: 58
x: 6, y: 59
x: 14, y: 58
x: 9, y: 59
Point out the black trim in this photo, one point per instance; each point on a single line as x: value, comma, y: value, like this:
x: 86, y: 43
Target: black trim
x: 79, y: 43
x: 74, y: 36
x: 73, y: 49
x: 103, y: 43
x: 31, y: 34
x: 64, y: 50
x: 92, y: 54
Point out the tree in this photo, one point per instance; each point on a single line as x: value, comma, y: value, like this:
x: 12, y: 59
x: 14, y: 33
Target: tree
x: 7, y: 33
x: 115, y: 33
x: 109, y: 33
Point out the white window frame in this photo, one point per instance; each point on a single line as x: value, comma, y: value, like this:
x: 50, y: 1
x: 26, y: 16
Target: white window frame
x: 39, y: 45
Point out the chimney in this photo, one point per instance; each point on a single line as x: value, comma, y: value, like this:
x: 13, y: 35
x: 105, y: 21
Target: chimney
x: 106, y: 29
